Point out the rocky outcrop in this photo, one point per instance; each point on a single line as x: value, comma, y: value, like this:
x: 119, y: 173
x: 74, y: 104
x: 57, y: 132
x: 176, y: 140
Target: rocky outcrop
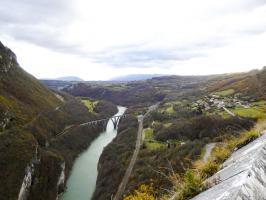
x: 5, y: 119
x: 61, y: 179
x: 26, y: 184
x: 29, y: 173
x: 242, y: 177
x: 7, y: 59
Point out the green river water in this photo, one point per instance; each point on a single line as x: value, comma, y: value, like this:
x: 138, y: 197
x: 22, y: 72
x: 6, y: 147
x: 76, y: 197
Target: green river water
x: 82, y: 180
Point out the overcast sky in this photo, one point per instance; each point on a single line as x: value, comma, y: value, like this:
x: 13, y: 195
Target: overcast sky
x: 101, y: 39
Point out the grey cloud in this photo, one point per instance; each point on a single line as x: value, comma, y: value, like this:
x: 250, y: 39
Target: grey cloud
x: 35, y: 11
x: 252, y: 31
x: 138, y: 55
x: 43, y: 37
x: 41, y: 22
x: 134, y: 56
x: 237, y: 6
x: 141, y: 55
x: 252, y: 4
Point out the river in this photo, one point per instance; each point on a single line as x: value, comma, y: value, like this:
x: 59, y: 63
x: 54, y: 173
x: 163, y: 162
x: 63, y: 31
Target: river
x: 82, y: 180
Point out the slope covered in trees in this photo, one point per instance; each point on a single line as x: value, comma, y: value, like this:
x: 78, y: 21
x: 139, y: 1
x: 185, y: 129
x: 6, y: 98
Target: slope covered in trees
x: 32, y: 155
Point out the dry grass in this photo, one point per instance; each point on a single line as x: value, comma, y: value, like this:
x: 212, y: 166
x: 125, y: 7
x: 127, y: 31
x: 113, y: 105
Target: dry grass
x: 206, y: 169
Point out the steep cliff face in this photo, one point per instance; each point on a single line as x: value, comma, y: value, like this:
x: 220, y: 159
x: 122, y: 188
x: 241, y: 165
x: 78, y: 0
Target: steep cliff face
x: 243, y: 175
x: 28, y: 178
x: 34, y: 160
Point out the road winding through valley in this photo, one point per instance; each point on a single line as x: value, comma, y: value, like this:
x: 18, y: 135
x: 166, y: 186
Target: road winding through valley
x: 133, y: 160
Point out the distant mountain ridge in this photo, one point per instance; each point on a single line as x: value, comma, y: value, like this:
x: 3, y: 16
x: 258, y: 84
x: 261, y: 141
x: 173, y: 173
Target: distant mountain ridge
x: 63, y: 78
x: 69, y: 78
x: 136, y: 77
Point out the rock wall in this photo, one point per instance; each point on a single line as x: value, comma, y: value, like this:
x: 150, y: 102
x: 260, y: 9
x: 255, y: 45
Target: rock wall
x: 61, y: 179
x: 26, y: 184
x: 242, y: 177
x: 29, y: 173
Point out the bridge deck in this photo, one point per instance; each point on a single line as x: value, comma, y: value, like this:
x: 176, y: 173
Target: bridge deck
x: 101, y: 120
x: 115, y: 121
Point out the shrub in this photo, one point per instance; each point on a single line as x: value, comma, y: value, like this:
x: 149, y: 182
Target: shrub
x: 249, y: 112
x: 244, y: 139
x: 144, y: 192
x: 203, y: 127
x: 190, y: 185
x: 221, y: 154
x: 206, y: 169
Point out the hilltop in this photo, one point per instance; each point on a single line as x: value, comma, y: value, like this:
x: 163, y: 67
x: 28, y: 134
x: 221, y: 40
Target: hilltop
x: 251, y: 84
x: 135, y: 77
x: 69, y: 78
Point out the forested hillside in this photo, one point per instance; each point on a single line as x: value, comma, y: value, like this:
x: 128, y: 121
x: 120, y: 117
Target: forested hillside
x: 33, y: 154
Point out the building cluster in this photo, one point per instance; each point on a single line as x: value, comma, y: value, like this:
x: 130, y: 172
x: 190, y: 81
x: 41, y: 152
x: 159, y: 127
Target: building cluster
x: 219, y: 102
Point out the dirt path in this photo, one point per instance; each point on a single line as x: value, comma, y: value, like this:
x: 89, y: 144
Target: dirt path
x: 208, y: 150
x: 229, y: 112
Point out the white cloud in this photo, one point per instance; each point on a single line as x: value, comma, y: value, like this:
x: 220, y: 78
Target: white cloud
x: 101, y: 39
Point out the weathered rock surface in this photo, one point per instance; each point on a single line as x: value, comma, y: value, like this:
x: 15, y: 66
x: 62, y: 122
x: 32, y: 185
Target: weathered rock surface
x: 242, y: 177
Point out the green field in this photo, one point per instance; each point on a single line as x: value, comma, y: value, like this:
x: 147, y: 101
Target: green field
x: 149, y: 141
x: 167, y: 125
x: 249, y: 112
x: 225, y: 93
x: 222, y: 113
x: 170, y: 110
x: 167, y: 108
x: 89, y: 104
x: 173, y: 103
x: 153, y: 145
x: 259, y: 103
x: 148, y: 132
